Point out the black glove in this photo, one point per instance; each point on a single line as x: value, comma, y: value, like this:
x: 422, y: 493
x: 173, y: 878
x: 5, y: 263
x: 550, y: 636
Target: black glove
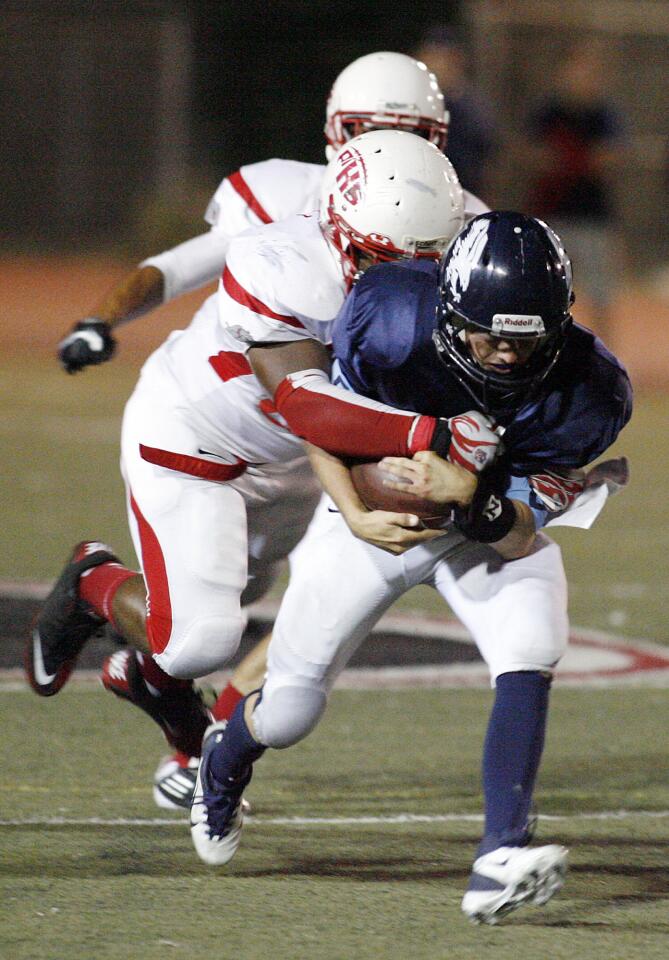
x: 90, y: 342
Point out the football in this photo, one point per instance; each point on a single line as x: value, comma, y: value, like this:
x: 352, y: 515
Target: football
x: 368, y: 481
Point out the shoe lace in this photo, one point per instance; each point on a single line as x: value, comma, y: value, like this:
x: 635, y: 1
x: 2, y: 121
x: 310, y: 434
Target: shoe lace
x: 222, y: 802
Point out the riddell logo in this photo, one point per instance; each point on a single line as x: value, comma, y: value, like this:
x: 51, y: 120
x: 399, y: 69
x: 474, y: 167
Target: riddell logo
x: 351, y: 176
x: 517, y: 323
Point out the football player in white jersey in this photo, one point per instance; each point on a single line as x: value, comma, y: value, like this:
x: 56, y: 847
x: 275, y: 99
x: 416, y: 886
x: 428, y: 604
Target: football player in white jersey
x: 219, y: 490
x: 379, y: 90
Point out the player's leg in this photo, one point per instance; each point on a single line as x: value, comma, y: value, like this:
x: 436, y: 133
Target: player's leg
x: 314, y: 636
x: 517, y: 615
x: 128, y: 613
x: 194, y: 563
x: 280, y: 503
x: 190, y: 535
x: 280, y: 507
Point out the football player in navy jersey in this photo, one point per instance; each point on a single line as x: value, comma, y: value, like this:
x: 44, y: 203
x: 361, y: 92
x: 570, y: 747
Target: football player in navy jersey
x: 487, y: 330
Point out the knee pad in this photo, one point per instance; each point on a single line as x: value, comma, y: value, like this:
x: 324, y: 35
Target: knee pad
x: 203, y: 646
x: 287, y: 714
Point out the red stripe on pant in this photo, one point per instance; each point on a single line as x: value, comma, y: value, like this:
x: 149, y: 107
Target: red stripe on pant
x: 193, y: 466
x: 159, y: 605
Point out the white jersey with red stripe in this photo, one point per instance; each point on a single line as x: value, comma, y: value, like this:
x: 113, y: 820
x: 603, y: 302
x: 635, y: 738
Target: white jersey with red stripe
x: 264, y: 192
x: 256, y: 194
x: 273, y: 190
x: 281, y: 282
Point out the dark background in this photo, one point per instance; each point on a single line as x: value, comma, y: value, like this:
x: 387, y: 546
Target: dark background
x: 263, y: 71
x: 120, y: 117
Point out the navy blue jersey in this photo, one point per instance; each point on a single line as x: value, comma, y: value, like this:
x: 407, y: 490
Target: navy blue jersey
x: 383, y: 349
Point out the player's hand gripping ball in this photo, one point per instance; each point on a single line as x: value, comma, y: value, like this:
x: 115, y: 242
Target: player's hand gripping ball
x: 368, y: 480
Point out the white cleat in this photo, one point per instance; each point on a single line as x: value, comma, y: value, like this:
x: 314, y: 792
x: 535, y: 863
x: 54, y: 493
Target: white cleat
x: 173, y: 784
x: 216, y: 816
x: 514, y: 876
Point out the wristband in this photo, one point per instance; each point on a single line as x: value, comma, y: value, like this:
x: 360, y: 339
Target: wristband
x: 491, y: 524
x: 490, y: 515
x: 441, y: 438
x: 88, y: 323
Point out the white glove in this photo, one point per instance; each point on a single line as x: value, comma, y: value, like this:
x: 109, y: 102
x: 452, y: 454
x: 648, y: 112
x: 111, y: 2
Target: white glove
x: 475, y: 442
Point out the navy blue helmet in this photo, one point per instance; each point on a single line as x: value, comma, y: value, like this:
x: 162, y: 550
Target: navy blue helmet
x: 508, y: 275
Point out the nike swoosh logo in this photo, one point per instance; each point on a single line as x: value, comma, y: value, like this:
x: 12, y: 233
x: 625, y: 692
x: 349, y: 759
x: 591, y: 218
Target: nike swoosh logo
x: 42, y: 677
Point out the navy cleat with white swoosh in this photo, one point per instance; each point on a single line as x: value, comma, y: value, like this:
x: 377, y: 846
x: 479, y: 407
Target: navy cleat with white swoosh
x: 65, y: 622
x: 217, y: 812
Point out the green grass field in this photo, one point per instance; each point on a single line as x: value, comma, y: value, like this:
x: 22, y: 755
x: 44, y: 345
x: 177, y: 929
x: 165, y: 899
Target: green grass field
x: 86, y: 888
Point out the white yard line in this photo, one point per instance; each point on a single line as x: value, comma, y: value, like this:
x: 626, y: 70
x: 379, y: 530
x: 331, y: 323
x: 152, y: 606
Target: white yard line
x: 394, y: 820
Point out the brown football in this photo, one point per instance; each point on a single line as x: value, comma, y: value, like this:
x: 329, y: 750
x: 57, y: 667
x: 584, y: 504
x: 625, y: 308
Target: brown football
x: 368, y: 481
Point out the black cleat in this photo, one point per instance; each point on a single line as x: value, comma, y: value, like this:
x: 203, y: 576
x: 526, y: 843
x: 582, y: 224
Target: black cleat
x: 180, y: 712
x: 65, y: 623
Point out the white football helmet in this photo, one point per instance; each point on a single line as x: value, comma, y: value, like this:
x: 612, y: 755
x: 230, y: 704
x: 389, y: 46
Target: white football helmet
x: 384, y: 90
x: 388, y: 194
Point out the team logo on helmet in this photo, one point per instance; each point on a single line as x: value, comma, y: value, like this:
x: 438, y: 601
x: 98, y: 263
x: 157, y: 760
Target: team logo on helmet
x: 466, y: 254
x: 380, y: 240
x: 351, y: 176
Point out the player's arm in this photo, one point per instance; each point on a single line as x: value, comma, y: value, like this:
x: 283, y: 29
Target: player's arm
x: 91, y: 341
x: 518, y: 541
x: 157, y: 280
x: 393, y: 532
x: 296, y: 374
x: 140, y: 291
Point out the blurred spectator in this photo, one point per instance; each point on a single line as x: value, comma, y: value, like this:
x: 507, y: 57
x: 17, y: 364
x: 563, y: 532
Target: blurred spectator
x: 472, y: 137
x: 576, y: 144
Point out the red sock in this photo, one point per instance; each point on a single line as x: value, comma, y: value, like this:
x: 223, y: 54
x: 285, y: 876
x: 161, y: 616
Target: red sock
x: 98, y: 587
x: 181, y: 758
x: 226, y: 703
x: 156, y: 676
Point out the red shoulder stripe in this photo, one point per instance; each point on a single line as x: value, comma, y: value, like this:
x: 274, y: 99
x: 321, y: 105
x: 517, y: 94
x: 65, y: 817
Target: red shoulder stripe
x: 237, y: 293
x: 238, y: 182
